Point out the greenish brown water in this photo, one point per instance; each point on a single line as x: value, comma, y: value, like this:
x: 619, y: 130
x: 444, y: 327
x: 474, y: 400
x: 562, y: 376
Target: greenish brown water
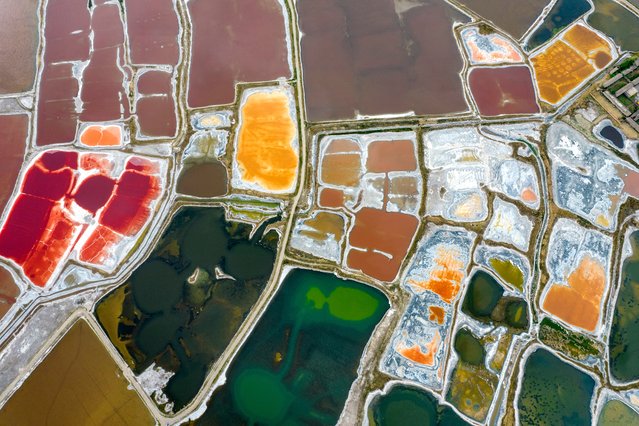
x: 616, y: 413
x: 554, y: 392
x: 617, y: 22
x: 175, y: 310
x: 299, y: 362
x: 624, y: 333
x: 509, y: 272
x: 407, y: 406
x: 469, y: 348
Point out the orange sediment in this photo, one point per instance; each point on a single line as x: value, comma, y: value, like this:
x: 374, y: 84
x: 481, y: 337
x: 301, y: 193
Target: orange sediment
x: 528, y: 195
x: 436, y: 314
x: 589, y: 44
x: 567, y: 63
x: 445, y: 279
x: 265, y: 150
x: 97, y: 135
x: 415, y: 353
x: 578, y: 303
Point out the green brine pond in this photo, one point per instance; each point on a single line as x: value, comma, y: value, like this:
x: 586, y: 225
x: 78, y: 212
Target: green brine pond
x: 408, y: 406
x: 181, y: 308
x: 624, y: 332
x: 554, y: 392
x: 299, y: 362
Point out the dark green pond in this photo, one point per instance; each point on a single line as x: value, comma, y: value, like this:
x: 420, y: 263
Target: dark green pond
x: 298, y: 364
x: 562, y: 14
x: 485, y: 301
x: 408, y: 406
x: 174, y: 312
x: 624, y: 332
x: 554, y: 392
x: 469, y: 348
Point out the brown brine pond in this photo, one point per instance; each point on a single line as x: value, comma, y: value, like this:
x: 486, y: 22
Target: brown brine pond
x: 363, y: 56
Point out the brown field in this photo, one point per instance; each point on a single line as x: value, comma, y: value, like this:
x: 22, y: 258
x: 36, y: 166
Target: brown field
x: 78, y: 383
x: 9, y: 291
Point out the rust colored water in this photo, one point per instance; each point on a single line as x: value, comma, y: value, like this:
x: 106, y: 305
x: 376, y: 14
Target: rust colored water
x: 341, y: 169
x: 503, y: 90
x: 13, y: 140
x: 378, y: 231
x: 203, y: 179
x: 579, y: 302
x: 18, y: 45
x: 155, y: 83
x: 515, y: 17
x: 153, y: 30
x: 234, y: 41
x: 331, y: 198
x: 361, y: 56
x: 436, y: 314
x: 445, y: 278
x: 391, y: 156
x: 265, y: 152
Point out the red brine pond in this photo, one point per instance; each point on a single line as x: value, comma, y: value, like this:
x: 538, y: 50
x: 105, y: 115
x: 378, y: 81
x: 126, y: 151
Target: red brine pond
x: 70, y: 201
x: 503, y: 90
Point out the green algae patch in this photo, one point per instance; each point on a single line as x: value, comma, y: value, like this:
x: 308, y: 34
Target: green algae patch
x: 554, y: 392
x: 615, y: 413
x: 405, y: 405
x: 509, y: 272
x: 344, y: 303
x: 301, y: 359
x: 262, y: 396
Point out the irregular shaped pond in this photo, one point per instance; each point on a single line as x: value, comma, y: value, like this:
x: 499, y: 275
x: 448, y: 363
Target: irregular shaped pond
x: 406, y: 405
x: 183, y: 305
x: 302, y: 357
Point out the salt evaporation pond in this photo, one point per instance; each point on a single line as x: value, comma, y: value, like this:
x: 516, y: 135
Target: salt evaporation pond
x: 624, y: 333
x: 183, y: 305
x: 514, y: 17
x: 554, y: 392
x: 302, y: 357
x: 562, y: 14
x: 613, y: 136
x: 407, y: 405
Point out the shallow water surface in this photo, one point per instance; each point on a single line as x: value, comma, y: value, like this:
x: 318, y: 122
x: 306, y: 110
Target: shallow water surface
x: 298, y: 364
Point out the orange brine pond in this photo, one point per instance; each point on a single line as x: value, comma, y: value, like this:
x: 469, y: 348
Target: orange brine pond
x: 425, y: 356
x: 445, y: 279
x: 266, y: 155
x: 570, y: 61
x: 97, y: 135
x: 436, y: 314
x: 579, y: 303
